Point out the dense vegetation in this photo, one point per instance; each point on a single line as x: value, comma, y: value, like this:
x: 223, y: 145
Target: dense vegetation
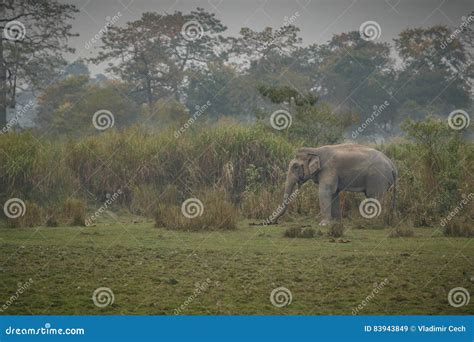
x: 244, y: 165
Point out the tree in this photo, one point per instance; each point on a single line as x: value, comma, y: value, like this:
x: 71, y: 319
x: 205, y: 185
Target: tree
x: 310, y: 124
x: 76, y: 68
x: 259, y: 47
x: 154, y: 53
x: 228, y: 92
x: 431, y: 64
x: 68, y: 106
x: 35, y: 36
x: 353, y: 75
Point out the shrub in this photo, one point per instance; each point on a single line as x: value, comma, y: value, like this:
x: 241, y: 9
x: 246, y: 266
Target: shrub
x: 458, y: 228
x: 260, y: 204
x: 300, y: 232
x: 248, y: 161
x: 32, y: 217
x: 402, y: 232
x: 74, y: 212
x: 144, y: 198
x: 336, y: 229
x: 216, y: 213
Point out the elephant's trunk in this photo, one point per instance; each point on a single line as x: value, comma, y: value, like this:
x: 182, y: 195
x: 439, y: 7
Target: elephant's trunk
x: 287, y: 198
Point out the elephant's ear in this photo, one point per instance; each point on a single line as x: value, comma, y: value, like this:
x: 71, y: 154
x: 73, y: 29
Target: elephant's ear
x: 314, y: 164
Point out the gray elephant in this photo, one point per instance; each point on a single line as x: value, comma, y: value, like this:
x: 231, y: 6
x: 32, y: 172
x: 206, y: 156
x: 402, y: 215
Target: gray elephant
x: 336, y: 168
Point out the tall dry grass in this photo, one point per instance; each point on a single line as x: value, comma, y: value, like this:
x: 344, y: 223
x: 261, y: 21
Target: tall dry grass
x: 245, y: 162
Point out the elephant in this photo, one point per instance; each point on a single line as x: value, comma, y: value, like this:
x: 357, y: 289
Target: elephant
x: 336, y: 168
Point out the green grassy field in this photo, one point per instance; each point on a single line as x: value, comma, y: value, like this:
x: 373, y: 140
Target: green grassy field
x: 155, y: 271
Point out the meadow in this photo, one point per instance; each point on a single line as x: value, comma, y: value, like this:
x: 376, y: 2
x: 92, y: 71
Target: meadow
x: 155, y: 271
x: 106, y: 212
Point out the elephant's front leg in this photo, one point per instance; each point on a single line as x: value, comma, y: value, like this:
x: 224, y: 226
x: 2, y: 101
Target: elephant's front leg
x: 335, y: 207
x: 325, y: 204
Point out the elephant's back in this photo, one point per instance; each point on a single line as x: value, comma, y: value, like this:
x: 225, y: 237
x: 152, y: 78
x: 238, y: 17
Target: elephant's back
x: 366, y: 157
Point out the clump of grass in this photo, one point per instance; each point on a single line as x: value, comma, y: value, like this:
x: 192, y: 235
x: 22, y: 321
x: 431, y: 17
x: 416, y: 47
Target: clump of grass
x: 159, y: 215
x: 259, y: 204
x: 143, y: 199
x: 402, y: 232
x: 458, y: 228
x: 300, y: 232
x: 216, y: 213
x: 74, y: 212
x: 32, y: 217
x: 52, y: 217
x: 336, y: 229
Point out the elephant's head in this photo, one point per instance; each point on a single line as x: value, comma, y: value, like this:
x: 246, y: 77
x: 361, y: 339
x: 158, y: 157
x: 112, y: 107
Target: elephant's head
x: 303, y: 167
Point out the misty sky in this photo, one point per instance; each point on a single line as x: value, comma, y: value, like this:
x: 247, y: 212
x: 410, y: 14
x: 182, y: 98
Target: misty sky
x: 318, y: 20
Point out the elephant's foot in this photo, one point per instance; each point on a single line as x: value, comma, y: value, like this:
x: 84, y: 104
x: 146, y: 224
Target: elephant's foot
x: 324, y: 222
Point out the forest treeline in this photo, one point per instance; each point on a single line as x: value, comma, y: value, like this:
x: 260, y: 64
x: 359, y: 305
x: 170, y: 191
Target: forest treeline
x: 167, y: 66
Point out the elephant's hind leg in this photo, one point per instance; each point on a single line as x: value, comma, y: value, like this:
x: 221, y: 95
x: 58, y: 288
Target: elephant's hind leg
x: 335, y: 207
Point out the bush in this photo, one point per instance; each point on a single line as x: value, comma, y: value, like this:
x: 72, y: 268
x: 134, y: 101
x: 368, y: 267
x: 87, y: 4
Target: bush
x: 144, y: 198
x: 402, y: 232
x: 74, y: 212
x: 336, y: 229
x: 300, y: 232
x: 260, y: 204
x: 216, y: 213
x: 32, y: 217
x: 458, y: 228
x: 248, y: 161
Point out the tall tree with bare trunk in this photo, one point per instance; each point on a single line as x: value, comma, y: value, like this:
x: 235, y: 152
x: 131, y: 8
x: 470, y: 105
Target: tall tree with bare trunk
x: 34, y: 37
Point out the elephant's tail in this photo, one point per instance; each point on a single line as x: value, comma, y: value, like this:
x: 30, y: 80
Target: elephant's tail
x: 394, y: 195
